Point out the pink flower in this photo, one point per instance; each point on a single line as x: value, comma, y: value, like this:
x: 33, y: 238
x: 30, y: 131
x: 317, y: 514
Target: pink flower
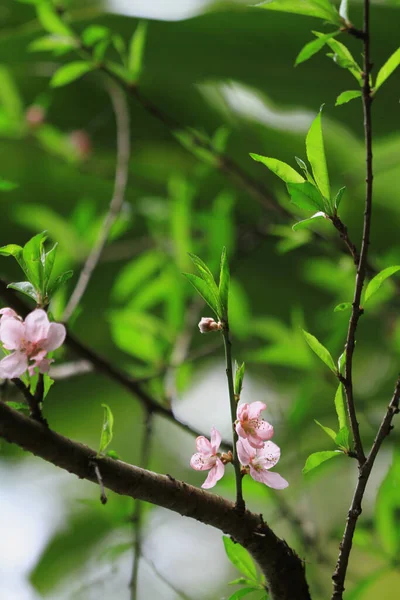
x: 259, y: 461
x: 249, y: 425
x: 208, y: 324
x: 207, y: 458
x: 31, y: 340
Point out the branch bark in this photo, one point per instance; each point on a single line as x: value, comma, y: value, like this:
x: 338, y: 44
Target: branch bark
x: 284, y: 571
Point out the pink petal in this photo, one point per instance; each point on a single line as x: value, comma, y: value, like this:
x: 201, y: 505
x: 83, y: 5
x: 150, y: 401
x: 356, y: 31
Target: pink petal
x: 36, y: 326
x: 44, y: 365
x: 199, y: 462
x: 215, y: 440
x: 242, y: 412
x: 55, y: 337
x: 255, y: 408
x: 203, y: 445
x: 244, y: 451
x: 269, y: 455
x: 272, y: 480
x: 240, y: 431
x: 264, y: 430
x: 13, y: 365
x: 255, y: 441
x: 8, y: 313
x: 216, y: 473
x: 12, y: 334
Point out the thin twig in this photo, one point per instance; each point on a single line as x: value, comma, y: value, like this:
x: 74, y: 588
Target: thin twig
x: 355, y: 508
x: 137, y: 512
x: 103, y: 496
x: 165, y: 580
x: 35, y: 410
x: 121, y: 178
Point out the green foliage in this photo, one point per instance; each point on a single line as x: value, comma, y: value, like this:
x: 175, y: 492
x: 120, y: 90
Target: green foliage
x: 70, y: 72
x: 384, y: 72
x: 7, y: 186
x: 136, y: 51
x: 242, y: 560
x: 281, y: 169
x: 306, y: 196
x: 50, y: 20
x: 327, y: 430
x: 340, y: 407
x: 343, y: 57
x: 376, y: 282
x: 306, y: 222
x: 239, y: 376
x: 313, y: 47
x: 342, y: 306
x: 345, y: 97
x: 316, y: 156
x: 338, y: 198
x: 323, y: 9
x: 320, y: 350
x: 387, y: 509
x: 106, y: 430
x: 224, y: 282
x: 317, y: 458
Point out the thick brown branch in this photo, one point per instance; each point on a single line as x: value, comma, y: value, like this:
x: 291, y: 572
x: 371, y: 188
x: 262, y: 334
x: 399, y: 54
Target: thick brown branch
x: 283, y: 569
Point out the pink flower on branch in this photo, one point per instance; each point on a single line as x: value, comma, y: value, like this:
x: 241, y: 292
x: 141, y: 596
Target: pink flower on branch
x: 30, y: 340
x: 207, y: 458
x: 208, y: 324
x: 250, y: 426
x: 258, y: 461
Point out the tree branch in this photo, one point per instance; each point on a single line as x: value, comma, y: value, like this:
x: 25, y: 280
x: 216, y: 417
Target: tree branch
x: 283, y: 569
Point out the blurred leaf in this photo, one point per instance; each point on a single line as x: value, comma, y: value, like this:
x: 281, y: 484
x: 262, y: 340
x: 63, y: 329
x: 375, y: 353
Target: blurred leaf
x: 241, y: 581
x: 239, y: 376
x: 281, y: 169
x: 135, y: 273
x: 68, y: 73
x: 190, y: 141
x: 322, y: 9
x: 316, y: 156
x: 388, y: 509
x: 343, y: 438
x: 344, y: 9
x: 95, y: 33
x: 59, y: 281
x: 25, y: 287
x: 343, y: 306
x: 60, y: 44
x: 107, y: 429
x: 328, y: 430
x: 314, y: 460
x: 224, y: 280
x: 345, y: 97
x: 320, y: 350
x: 203, y: 289
x: 50, y: 19
x: 242, y: 593
x: 139, y: 334
x: 384, y: 72
x: 313, y: 47
x: 19, y: 406
x: 11, y: 101
x: 182, y: 194
x: 136, y: 50
x: 340, y: 406
x: 307, y: 222
x: 306, y: 196
x: 7, y: 186
x: 376, y: 282
x: 240, y: 558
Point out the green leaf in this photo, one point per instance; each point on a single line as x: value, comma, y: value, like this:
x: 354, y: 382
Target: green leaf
x: 340, y: 407
x: 313, y: 47
x: 306, y: 222
x: 70, y: 72
x: 281, y: 169
x: 316, y: 459
x: 50, y: 20
x: 239, y: 580
x: 57, y: 43
x: 343, y: 438
x: 49, y: 258
x: 95, y: 33
x: 208, y: 278
x: 342, y: 306
x: 320, y: 350
x: 384, y: 72
x: 203, y: 289
x: 377, y: 281
x: 242, y: 593
x: 32, y: 256
x: 322, y: 9
x: 388, y: 509
x: 240, y: 558
x: 345, y: 97
x: 306, y: 196
x: 12, y: 250
x: 112, y: 454
x: 239, y: 376
x: 48, y: 382
x: 338, y: 198
x: 343, y: 57
x: 59, y: 281
x: 316, y: 156
x: 341, y: 361
x: 224, y: 279
x: 107, y: 429
x: 328, y: 430
x: 25, y: 287
x: 136, y: 50
x: 19, y: 406
x: 7, y: 186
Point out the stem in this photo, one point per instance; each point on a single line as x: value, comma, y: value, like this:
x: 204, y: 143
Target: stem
x: 33, y: 401
x: 240, y: 505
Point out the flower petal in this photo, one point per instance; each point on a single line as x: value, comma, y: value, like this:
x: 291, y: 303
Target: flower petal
x: 203, y: 445
x: 242, y: 411
x: 276, y: 481
x: 216, y: 473
x: 36, y: 326
x: 12, y: 333
x: 268, y: 456
x: 264, y: 430
x: 215, y: 440
x: 8, y: 313
x: 55, y: 337
x: 244, y: 451
x: 255, y: 408
x: 199, y: 462
x: 254, y: 440
x: 13, y: 365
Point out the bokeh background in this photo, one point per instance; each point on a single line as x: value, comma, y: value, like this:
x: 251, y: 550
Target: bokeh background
x: 226, y: 70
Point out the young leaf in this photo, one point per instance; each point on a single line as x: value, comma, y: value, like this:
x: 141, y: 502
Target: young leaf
x: 281, y: 169
x: 19, y: 406
x: 314, y: 460
x: 48, y: 382
x: 313, y: 47
x: 32, y: 255
x: 316, y: 156
x: 307, y: 222
x: 25, y: 287
x: 136, y: 50
x: 203, y: 289
x: 107, y: 429
x: 224, y: 279
x: 95, y: 33
x: 7, y: 186
x: 240, y: 558
x: 239, y: 580
x: 207, y: 277
x: 61, y: 279
x: 242, y: 593
x: 320, y: 350
x: 328, y: 430
x: 338, y: 198
x: 313, y: 8
x: 342, y: 306
x: 377, y: 281
x: 15, y: 251
x: 345, y: 97
x: 306, y: 196
x: 340, y: 407
x: 343, y: 438
x: 48, y: 259
x: 239, y: 376
x: 68, y: 73
x: 50, y: 20
x: 57, y: 43
x: 384, y: 72
x: 343, y: 57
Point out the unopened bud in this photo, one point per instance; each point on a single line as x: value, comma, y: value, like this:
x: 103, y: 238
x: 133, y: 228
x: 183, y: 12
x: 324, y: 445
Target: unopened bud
x: 35, y: 115
x: 81, y: 142
x: 208, y: 324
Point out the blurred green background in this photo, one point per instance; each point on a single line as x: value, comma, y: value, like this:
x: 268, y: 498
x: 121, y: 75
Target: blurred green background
x: 226, y: 70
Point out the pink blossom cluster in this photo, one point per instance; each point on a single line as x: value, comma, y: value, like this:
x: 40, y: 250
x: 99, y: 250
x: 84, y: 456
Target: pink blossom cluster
x: 28, y: 340
x: 256, y: 453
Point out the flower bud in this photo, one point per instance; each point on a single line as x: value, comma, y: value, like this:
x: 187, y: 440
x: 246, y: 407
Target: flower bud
x: 35, y: 115
x: 208, y: 324
x: 81, y: 143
